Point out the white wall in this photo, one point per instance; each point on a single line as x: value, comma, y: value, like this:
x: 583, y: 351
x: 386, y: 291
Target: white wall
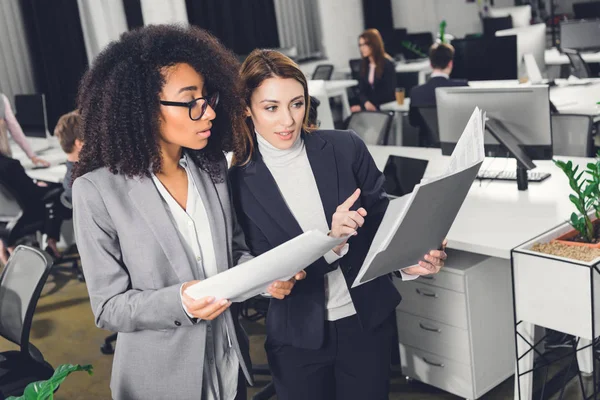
x: 461, y: 17
x: 341, y: 22
x: 164, y: 12
x: 425, y: 15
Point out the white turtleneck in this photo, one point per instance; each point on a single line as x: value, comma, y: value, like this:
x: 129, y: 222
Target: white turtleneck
x: 294, y: 177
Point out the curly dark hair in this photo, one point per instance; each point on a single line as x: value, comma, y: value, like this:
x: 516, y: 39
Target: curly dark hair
x: 119, y: 99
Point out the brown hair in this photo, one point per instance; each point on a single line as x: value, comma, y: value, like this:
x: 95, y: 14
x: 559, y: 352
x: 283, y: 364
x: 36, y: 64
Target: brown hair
x: 373, y: 39
x: 68, y: 128
x: 440, y: 55
x: 259, y: 66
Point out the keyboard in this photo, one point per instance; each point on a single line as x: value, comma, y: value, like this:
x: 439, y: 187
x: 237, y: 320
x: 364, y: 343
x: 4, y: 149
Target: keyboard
x: 532, y: 176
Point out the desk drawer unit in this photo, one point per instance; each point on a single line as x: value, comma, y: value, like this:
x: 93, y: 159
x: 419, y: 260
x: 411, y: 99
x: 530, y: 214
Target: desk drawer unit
x: 456, y: 331
x: 434, y: 303
x: 434, y: 337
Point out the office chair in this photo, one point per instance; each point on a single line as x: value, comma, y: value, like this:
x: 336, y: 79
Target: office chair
x: 253, y: 310
x: 16, y: 224
x: 579, y: 67
x: 491, y: 25
x: 355, y: 65
x: 322, y: 72
x: 20, y: 286
x: 31, y: 113
x: 572, y: 135
x: 372, y: 126
x: 430, y: 128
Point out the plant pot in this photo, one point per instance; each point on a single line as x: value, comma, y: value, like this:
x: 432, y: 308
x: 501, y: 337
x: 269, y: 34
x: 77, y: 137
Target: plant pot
x: 556, y: 292
x: 565, y: 239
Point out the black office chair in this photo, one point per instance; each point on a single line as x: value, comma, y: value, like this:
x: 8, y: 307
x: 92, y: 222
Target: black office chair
x: 323, y: 72
x: 20, y: 286
x: 572, y: 135
x: 253, y: 310
x: 31, y: 113
x: 579, y: 67
x: 492, y: 25
x: 355, y: 65
x: 372, y: 126
x: 430, y: 129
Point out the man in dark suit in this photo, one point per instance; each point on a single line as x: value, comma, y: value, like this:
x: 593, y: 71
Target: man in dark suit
x: 440, y: 56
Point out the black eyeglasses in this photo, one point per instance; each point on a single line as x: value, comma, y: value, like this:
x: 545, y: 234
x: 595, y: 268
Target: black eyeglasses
x: 197, y: 107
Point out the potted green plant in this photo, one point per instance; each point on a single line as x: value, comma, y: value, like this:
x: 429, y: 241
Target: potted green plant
x: 44, y: 390
x: 586, y: 197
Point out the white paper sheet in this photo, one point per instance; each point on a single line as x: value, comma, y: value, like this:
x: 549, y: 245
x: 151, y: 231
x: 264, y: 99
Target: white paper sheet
x: 254, y: 277
x: 418, y: 222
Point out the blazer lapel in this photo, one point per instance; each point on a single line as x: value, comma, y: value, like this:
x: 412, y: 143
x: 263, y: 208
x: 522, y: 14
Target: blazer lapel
x: 265, y: 190
x: 214, y: 210
x: 147, y: 199
x: 322, y: 161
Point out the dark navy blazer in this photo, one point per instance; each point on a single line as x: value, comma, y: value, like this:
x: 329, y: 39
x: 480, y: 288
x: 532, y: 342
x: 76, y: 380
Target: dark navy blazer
x: 340, y: 163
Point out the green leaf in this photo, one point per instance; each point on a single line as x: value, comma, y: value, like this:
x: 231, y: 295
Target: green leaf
x: 44, y: 390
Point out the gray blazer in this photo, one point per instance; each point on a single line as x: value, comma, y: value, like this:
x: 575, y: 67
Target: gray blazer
x: 134, y: 265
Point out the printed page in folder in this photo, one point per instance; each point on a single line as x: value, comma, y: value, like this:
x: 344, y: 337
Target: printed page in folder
x: 419, y: 221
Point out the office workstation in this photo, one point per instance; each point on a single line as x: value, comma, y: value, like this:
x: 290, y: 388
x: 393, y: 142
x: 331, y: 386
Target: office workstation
x: 464, y: 332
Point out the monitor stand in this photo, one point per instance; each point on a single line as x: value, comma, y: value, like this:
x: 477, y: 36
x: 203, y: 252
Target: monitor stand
x: 499, y: 131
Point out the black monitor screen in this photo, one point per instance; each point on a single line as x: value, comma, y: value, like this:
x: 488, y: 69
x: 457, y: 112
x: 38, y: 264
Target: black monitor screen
x: 402, y: 174
x: 588, y: 10
x: 416, y: 45
x: 487, y: 58
x: 393, y: 44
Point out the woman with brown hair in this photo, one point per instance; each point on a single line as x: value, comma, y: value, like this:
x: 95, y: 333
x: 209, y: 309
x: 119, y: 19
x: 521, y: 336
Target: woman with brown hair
x: 325, y: 340
x: 377, y: 82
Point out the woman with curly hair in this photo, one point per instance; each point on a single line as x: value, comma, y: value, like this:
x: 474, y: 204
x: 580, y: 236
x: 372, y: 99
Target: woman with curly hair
x: 153, y: 216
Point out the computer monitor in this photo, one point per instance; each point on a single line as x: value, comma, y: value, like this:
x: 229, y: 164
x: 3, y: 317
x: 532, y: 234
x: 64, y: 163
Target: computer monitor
x: 493, y: 25
x: 580, y: 35
x: 530, y: 40
x: 485, y: 58
x: 393, y: 44
x: 402, y: 174
x: 587, y: 10
x: 521, y: 15
x: 416, y: 45
x: 523, y: 111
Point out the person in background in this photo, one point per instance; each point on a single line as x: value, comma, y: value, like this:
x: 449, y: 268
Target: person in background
x: 325, y: 341
x: 9, y: 124
x: 440, y: 57
x: 69, y: 134
x: 377, y: 83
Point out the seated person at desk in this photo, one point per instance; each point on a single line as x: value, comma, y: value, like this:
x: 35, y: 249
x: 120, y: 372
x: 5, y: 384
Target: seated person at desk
x: 32, y: 197
x: 440, y: 57
x: 8, y: 123
x: 377, y: 83
x: 68, y: 132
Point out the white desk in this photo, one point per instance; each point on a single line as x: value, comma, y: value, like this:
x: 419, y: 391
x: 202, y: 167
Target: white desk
x: 471, y: 348
x: 394, y: 106
x: 554, y: 57
x: 576, y: 99
x: 55, y: 156
x: 332, y: 89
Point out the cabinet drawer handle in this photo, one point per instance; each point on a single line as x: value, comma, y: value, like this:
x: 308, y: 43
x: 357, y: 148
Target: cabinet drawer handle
x: 424, y: 293
x: 429, y: 329
x: 429, y: 277
x: 432, y: 363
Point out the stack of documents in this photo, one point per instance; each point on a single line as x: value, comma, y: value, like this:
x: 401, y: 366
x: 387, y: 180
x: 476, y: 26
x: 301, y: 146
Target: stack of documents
x: 418, y: 222
x: 279, y: 264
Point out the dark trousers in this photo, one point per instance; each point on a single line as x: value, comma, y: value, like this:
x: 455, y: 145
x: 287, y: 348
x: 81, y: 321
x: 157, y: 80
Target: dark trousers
x: 241, y: 387
x: 352, y: 364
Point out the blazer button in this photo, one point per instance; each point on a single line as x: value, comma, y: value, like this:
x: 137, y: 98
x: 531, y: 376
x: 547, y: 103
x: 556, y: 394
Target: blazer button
x: 177, y: 323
